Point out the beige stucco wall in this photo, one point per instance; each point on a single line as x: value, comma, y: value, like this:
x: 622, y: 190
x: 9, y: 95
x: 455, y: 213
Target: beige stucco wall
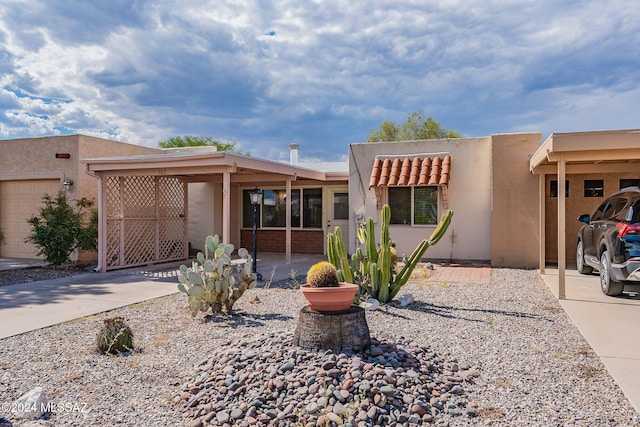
x: 35, y: 158
x: 515, y: 218
x: 469, y: 196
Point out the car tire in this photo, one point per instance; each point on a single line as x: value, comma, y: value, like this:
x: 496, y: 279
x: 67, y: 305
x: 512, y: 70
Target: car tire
x: 582, y: 267
x: 609, y: 286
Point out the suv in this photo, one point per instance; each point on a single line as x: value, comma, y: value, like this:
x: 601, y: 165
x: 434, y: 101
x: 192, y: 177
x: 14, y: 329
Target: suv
x: 609, y: 242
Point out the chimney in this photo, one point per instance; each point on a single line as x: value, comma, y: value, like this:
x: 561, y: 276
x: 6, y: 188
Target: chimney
x: 293, y: 153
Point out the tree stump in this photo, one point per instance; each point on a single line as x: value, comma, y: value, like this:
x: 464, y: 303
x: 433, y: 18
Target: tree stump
x: 337, y: 331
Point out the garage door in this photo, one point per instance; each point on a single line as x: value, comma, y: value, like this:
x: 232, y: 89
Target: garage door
x: 18, y: 201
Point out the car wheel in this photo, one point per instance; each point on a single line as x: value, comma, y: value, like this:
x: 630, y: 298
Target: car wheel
x: 607, y: 284
x: 582, y: 267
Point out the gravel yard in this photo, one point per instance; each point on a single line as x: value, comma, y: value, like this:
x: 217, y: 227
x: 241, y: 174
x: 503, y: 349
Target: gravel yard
x: 518, y: 361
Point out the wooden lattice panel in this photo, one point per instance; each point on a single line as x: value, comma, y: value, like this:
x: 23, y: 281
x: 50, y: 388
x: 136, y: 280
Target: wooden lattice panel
x: 146, y: 221
x: 112, y: 241
x: 139, y: 241
x: 112, y: 200
x: 139, y: 196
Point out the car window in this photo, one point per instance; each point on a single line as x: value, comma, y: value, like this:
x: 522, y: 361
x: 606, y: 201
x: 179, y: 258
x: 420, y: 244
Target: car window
x: 598, y: 213
x: 618, y: 207
x: 633, y: 214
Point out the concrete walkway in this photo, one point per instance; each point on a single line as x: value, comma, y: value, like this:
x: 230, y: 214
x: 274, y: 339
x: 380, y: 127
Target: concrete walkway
x: 609, y: 324
x: 29, y: 306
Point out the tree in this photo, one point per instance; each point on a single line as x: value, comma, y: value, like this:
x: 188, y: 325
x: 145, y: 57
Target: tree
x: 416, y: 127
x: 200, y: 141
x: 59, y: 229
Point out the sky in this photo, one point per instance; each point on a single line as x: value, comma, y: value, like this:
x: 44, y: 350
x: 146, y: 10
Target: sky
x: 322, y: 74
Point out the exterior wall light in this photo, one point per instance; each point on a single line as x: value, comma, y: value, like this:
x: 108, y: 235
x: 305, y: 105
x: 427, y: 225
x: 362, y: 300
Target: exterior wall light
x: 67, y: 183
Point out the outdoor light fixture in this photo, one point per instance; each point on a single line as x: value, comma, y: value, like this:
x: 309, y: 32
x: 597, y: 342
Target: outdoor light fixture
x: 256, y: 199
x: 67, y: 183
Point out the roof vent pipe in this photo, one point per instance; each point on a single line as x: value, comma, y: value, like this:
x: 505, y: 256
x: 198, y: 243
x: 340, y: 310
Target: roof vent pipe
x: 293, y: 153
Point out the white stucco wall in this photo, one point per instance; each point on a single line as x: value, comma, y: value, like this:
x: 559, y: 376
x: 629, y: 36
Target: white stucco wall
x: 469, y: 196
x: 201, y: 213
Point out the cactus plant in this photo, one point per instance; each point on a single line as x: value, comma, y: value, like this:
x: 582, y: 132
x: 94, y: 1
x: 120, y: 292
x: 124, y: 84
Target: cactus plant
x: 375, y: 268
x: 212, y: 281
x: 322, y: 275
x: 114, y: 337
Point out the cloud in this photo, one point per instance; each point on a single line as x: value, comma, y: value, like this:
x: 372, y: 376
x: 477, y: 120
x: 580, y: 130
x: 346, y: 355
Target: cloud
x: 320, y: 74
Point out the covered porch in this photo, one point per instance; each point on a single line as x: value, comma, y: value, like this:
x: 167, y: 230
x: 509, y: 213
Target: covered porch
x: 143, y: 201
x: 609, y: 156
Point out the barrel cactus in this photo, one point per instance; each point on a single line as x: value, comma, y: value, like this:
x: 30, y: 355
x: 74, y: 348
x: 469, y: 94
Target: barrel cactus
x: 114, y: 337
x: 213, y: 282
x: 322, y: 275
x: 374, y: 268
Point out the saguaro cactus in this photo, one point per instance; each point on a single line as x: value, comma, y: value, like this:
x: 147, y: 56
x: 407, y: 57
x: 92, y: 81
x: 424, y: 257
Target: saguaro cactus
x: 375, y: 268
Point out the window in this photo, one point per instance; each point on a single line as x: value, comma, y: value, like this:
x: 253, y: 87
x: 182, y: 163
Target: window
x: 593, y: 188
x: 413, y: 205
x: 312, y: 207
x: 247, y: 211
x: 553, y: 190
x: 273, y: 211
x: 341, y: 206
x: 624, y: 183
x: 274, y: 208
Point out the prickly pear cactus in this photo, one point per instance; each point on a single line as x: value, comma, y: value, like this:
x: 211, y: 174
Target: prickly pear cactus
x: 213, y: 282
x: 114, y: 337
x: 322, y: 275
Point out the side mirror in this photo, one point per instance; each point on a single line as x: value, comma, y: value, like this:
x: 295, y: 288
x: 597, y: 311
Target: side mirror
x: 584, y: 218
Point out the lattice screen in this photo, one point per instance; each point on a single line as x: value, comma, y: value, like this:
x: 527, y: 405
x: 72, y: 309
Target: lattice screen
x: 146, y: 221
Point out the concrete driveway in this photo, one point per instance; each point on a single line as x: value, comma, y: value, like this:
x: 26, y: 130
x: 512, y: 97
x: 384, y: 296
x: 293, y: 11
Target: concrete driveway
x: 609, y: 324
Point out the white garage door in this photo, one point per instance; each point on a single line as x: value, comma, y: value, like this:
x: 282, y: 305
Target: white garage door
x: 20, y: 200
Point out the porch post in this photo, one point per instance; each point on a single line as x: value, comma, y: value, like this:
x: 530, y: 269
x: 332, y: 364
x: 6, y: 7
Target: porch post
x: 561, y: 227
x: 288, y: 230
x: 102, y: 227
x: 226, y: 207
x: 542, y: 219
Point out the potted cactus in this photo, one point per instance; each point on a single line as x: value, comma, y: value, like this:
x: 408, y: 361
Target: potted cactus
x: 324, y: 292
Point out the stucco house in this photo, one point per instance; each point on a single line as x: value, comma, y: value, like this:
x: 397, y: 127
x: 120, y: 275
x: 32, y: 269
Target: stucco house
x: 33, y: 167
x: 156, y: 204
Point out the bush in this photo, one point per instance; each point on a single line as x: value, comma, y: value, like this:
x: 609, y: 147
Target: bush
x: 2, y: 240
x: 59, y: 229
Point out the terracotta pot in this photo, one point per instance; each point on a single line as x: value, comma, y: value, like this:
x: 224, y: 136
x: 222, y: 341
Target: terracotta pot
x: 330, y: 299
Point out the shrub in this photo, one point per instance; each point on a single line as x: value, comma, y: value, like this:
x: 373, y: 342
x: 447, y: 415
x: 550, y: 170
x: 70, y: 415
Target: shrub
x: 59, y: 229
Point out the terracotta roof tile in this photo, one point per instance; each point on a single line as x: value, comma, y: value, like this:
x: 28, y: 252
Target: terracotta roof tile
x: 413, y: 170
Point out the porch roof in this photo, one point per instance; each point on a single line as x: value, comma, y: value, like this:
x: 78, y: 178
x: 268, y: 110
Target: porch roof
x: 588, y: 152
x: 200, y: 166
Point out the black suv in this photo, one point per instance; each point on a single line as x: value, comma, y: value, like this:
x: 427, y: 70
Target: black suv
x: 609, y: 242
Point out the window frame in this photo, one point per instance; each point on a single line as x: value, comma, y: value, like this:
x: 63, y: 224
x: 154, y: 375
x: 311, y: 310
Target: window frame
x: 412, y: 207
x: 247, y: 209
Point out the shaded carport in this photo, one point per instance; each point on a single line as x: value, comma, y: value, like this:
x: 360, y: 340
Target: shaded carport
x: 564, y: 154
x: 143, y: 203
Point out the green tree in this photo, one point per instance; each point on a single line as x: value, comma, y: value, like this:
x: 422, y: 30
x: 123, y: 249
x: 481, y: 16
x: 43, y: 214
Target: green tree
x: 201, y: 141
x: 416, y: 127
x: 59, y: 229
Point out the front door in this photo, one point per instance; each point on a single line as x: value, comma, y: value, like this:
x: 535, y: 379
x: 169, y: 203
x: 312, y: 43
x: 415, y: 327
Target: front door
x: 337, y: 213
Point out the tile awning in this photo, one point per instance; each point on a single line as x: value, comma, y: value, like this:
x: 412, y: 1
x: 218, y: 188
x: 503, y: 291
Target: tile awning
x: 411, y: 171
